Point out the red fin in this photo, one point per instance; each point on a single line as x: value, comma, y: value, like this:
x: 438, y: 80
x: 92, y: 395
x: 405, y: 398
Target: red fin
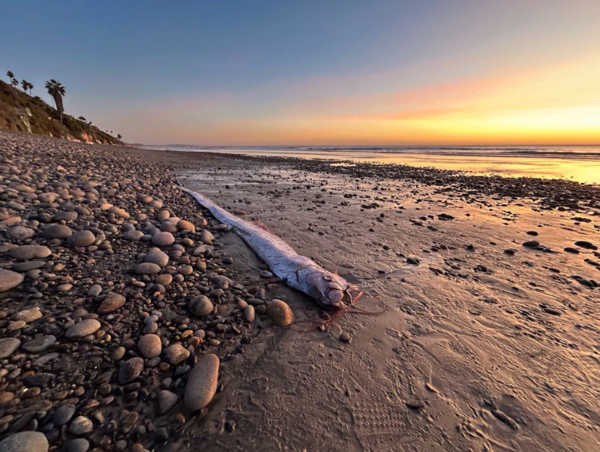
x: 262, y: 226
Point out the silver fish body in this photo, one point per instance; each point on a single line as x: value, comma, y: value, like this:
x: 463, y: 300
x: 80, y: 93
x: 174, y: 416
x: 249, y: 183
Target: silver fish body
x: 299, y: 272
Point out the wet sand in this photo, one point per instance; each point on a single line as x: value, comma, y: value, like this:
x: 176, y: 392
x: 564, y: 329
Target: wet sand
x: 485, y: 344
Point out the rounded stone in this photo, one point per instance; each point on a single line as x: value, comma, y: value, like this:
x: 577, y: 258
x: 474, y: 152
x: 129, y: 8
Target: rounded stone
x: 81, y: 426
x: 166, y: 400
x: 57, y: 231
x: 48, y: 197
x: 82, y: 238
x: 9, y: 279
x: 202, y: 383
x: 176, y: 354
x: 83, y: 329
x: 95, y: 290
x: 150, y: 346
x: 20, y: 233
x: 15, y: 325
x: 65, y: 216
x: 163, y: 239
x: 62, y: 415
x: 183, y: 225
x: 39, y: 344
x: 206, y: 237
x: 130, y: 370
x: 8, y: 346
x: 168, y: 226
x: 111, y: 302
x: 6, y: 396
x: 77, y: 445
x: 203, y: 306
x: 151, y: 327
x: 147, y: 268
x: 28, y: 252
x: 22, y: 267
x: 118, y: 353
x: 165, y: 279
x: 249, y: 314
x: 133, y: 235
x: 122, y: 213
x: 29, y: 315
x: 25, y: 442
x: 157, y: 256
x: 185, y: 270
x: 163, y: 215
x: 280, y: 313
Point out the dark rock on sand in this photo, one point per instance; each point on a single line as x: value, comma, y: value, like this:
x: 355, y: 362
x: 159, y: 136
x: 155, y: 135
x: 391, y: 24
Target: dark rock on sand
x: 587, y: 245
x: 166, y: 400
x: 77, y: 445
x: 63, y: 415
x: 203, y: 306
x: 130, y: 370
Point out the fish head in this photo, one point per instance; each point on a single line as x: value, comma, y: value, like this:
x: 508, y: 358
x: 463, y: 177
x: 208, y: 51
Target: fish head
x: 333, y: 290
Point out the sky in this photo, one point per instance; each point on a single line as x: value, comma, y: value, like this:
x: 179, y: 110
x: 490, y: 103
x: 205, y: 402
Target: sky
x: 317, y: 72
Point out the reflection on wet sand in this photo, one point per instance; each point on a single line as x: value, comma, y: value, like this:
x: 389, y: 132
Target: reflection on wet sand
x: 580, y: 168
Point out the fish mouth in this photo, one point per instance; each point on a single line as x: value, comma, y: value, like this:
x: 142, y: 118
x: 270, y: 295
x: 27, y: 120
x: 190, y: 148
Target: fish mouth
x: 347, y: 299
x: 344, y: 303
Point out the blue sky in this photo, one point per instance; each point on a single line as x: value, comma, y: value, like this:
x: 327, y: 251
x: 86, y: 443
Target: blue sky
x: 295, y: 72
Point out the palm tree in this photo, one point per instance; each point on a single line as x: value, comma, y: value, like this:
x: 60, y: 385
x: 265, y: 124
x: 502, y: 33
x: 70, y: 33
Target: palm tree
x: 25, y: 85
x: 30, y: 87
x: 57, y: 91
x: 14, y: 82
x: 119, y: 136
x: 10, y: 75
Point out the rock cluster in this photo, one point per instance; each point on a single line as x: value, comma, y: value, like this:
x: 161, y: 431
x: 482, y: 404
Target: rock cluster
x: 117, y: 302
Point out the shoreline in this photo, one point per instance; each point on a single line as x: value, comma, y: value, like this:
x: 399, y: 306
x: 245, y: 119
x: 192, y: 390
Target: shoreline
x: 579, y: 167
x: 551, y: 193
x: 488, y: 340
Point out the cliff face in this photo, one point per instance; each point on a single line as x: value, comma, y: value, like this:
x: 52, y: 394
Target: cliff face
x: 45, y: 120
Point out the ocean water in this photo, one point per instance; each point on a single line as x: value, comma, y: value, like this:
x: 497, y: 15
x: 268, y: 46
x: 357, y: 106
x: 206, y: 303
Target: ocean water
x: 579, y: 163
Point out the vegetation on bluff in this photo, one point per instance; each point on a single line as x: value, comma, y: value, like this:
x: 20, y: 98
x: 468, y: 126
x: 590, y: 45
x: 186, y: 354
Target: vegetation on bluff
x: 45, y: 119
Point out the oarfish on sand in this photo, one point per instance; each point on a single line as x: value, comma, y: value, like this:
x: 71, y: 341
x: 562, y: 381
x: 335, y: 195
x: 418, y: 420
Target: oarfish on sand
x: 299, y: 272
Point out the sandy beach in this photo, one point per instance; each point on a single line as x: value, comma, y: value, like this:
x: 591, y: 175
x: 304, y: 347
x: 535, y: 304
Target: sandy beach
x: 490, y: 290
x: 477, y: 330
